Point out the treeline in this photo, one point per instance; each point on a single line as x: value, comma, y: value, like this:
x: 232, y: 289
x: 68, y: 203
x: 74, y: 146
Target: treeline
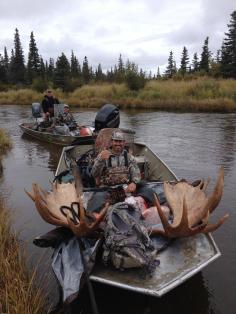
x: 68, y: 75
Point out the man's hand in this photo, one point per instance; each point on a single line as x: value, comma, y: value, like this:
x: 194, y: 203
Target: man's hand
x: 105, y: 154
x: 131, y: 188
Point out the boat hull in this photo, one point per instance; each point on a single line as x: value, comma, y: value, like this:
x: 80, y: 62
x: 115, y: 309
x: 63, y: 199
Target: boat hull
x: 57, y: 139
x: 180, y: 261
x: 183, y: 258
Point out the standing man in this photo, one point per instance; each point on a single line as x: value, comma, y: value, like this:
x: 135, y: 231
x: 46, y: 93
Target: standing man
x: 48, y: 103
x: 116, y: 166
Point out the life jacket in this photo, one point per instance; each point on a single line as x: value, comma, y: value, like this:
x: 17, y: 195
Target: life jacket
x: 116, y: 175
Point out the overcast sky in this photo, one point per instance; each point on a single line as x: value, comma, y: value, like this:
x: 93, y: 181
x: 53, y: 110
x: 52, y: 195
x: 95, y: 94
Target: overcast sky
x: 144, y: 31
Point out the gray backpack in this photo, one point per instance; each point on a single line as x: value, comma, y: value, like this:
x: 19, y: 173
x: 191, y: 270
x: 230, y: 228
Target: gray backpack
x: 127, y: 243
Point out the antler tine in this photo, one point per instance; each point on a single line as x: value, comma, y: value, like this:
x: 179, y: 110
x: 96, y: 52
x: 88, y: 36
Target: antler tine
x: 216, y: 195
x: 45, y: 193
x: 205, y: 184
x: 30, y: 195
x: 213, y: 227
x: 81, y: 209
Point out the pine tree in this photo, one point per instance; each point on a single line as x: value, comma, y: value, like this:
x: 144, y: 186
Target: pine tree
x: 99, y: 76
x: 228, y: 51
x: 74, y: 65
x: 62, y: 73
x: 6, y: 63
x: 184, y: 62
x: 34, y: 63
x: 85, y: 71
x: 195, y: 63
x: 120, y: 71
x: 205, y: 57
x: 3, y: 72
x: 42, y: 69
x: 50, y: 70
x: 17, y: 69
x: 171, y: 66
x: 158, y: 75
x: 110, y: 76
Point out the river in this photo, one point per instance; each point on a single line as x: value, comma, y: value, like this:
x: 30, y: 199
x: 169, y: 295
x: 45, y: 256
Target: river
x: 194, y: 145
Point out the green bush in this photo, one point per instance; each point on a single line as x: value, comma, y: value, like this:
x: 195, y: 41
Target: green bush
x: 134, y: 81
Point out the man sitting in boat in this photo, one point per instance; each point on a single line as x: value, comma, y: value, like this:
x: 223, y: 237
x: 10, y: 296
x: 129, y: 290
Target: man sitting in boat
x: 116, y: 166
x: 68, y: 118
x: 48, y: 102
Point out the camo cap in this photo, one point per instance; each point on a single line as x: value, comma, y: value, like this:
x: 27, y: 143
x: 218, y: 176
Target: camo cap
x: 118, y: 136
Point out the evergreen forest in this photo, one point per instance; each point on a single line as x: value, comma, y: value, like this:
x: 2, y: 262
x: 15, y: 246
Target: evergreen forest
x: 17, y: 71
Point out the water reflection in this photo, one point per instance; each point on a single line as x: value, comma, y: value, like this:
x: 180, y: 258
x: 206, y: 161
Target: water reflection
x: 40, y: 150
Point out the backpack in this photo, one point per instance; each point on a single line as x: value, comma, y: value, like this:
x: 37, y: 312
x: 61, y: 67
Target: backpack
x: 127, y: 243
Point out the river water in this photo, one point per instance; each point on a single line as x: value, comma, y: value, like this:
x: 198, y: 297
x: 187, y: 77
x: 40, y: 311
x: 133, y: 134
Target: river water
x: 194, y: 145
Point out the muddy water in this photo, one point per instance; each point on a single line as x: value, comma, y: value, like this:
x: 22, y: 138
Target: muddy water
x: 194, y: 145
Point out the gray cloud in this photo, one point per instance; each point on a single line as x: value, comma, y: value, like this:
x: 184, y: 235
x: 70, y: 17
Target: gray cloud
x: 143, y: 31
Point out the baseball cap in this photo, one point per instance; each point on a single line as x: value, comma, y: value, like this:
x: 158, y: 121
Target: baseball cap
x: 118, y: 135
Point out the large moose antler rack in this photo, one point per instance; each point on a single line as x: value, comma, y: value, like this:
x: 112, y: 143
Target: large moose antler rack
x: 63, y: 207
x: 190, y: 207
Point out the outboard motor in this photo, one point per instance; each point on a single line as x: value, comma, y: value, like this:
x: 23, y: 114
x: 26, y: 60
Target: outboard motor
x: 36, y: 110
x: 107, y: 117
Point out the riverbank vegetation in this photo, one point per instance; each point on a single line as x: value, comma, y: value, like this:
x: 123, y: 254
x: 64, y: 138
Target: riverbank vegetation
x: 18, y: 292
x: 5, y: 142
x: 195, y: 94
x: 201, y: 80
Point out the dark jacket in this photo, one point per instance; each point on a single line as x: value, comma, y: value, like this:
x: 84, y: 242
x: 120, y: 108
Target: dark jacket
x: 48, y: 104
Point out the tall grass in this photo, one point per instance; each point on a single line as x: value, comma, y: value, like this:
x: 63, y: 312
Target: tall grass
x: 5, y: 142
x: 18, y: 291
x: 197, y: 94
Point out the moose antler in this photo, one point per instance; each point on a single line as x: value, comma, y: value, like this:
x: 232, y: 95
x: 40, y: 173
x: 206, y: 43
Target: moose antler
x: 190, y: 208
x: 63, y: 207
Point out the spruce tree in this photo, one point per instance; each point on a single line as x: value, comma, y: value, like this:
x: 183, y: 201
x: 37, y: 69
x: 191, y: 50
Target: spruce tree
x: 184, y: 62
x: 17, y: 68
x: 158, y: 75
x: 195, y: 63
x: 171, y: 66
x: 74, y: 65
x: 205, y: 57
x: 62, y: 73
x: 50, y: 70
x: 86, y: 71
x: 120, y: 71
x: 228, y: 51
x: 34, y: 62
x: 3, y: 72
x: 6, y: 63
x: 99, y: 76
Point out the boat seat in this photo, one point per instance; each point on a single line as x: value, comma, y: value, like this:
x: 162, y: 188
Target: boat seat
x: 143, y: 166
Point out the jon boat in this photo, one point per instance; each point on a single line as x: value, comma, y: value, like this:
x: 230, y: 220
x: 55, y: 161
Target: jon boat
x: 86, y: 135
x: 181, y: 260
x: 107, y: 116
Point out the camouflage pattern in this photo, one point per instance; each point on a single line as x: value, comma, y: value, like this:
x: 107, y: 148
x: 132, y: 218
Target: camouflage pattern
x: 68, y: 118
x: 118, y: 173
x: 129, y: 245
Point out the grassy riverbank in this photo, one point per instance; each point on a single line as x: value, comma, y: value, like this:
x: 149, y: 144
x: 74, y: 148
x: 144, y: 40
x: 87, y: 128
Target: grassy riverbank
x: 200, y: 94
x: 5, y: 142
x: 18, y: 291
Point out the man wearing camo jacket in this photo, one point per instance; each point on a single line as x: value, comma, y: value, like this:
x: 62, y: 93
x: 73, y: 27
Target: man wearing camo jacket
x: 116, y: 166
